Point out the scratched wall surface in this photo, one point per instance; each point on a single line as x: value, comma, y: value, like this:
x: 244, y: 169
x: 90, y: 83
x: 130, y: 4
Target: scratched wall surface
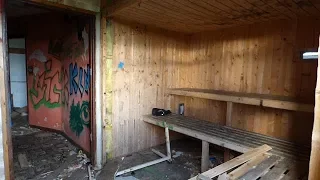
x: 59, y: 76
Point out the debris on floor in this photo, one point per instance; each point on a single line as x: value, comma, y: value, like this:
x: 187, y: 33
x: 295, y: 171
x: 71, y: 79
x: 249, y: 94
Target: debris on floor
x: 36, y: 153
x: 185, y: 164
x: 23, y: 161
x: 176, y: 154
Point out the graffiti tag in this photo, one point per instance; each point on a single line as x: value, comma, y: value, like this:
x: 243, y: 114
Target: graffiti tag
x: 79, y: 79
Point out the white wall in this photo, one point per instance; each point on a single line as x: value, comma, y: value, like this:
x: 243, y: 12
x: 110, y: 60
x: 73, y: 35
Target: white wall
x: 18, y: 76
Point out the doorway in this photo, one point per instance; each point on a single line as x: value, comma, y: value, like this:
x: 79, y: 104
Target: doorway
x: 54, y: 82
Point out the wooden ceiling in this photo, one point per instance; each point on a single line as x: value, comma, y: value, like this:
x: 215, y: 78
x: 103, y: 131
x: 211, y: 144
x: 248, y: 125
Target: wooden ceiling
x: 202, y: 15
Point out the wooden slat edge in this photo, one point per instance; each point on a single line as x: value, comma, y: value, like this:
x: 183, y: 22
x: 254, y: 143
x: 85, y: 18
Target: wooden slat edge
x: 199, y: 135
x: 218, y: 97
x: 278, y: 104
x: 247, y: 166
x: 287, y: 105
x: 235, y: 162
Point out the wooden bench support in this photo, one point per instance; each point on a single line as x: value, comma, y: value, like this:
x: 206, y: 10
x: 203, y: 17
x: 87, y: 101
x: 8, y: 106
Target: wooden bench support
x: 226, y: 155
x: 205, y: 156
x: 163, y: 157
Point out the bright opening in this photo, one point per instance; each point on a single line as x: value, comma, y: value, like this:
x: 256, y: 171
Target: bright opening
x: 310, y: 55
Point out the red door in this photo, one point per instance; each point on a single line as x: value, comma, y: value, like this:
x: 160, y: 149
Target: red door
x: 59, y: 76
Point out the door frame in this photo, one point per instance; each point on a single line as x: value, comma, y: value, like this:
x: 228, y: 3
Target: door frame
x: 95, y: 63
x: 6, y: 161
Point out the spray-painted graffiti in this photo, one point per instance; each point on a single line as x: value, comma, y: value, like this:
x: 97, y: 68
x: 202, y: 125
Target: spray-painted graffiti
x: 79, y: 79
x: 79, y: 117
x: 47, y: 85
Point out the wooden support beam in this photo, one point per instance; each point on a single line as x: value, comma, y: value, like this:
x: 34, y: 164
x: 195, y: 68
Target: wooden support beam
x: 6, y: 160
x: 277, y: 102
x: 216, y: 96
x: 205, y: 156
x: 314, y: 172
x: 226, y: 155
x: 229, y: 113
x: 166, y: 131
x: 118, y: 6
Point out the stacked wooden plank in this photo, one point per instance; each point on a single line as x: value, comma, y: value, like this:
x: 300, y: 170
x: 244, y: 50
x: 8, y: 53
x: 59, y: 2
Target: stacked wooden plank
x: 256, y: 164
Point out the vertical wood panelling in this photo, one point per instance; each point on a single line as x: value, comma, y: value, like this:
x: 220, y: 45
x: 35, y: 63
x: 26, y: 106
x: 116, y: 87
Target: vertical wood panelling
x: 260, y: 58
x: 149, y: 57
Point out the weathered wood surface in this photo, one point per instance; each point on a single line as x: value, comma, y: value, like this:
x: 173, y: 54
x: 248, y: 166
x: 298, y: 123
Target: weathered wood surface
x: 235, y: 162
x: 234, y: 139
x: 261, y: 168
x: 264, y: 100
x: 194, y: 15
x: 6, y: 160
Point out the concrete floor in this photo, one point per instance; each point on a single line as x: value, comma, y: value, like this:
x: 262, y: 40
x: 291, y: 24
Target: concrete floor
x: 185, y: 164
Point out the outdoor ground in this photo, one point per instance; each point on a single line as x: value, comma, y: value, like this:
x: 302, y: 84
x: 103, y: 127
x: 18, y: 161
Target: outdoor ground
x: 39, y: 154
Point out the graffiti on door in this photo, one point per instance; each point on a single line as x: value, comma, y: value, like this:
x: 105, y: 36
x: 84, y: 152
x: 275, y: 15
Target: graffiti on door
x: 46, y: 89
x: 79, y: 116
x: 79, y: 79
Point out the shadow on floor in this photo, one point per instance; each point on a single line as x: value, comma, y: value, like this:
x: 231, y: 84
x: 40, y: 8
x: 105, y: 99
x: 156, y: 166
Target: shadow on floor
x: 186, y: 162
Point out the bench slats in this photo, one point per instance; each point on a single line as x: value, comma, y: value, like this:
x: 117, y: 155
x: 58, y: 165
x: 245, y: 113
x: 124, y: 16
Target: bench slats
x: 234, y: 139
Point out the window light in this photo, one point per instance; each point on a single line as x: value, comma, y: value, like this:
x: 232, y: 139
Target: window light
x: 310, y: 55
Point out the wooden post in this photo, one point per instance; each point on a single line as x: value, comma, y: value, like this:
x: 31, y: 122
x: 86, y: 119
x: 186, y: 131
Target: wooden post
x: 6, y: 165
x: 166, y: 130
x: 226, y: 155
x: 314, y: 172
x: 229, y: 113
x: 205, y: 156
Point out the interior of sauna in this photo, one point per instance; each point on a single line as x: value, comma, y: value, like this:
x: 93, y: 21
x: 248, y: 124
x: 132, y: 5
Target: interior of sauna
x: 237, y: 66
x: 256, y: 59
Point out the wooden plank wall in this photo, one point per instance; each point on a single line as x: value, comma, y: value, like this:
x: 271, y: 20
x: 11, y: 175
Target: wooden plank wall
x: 259, y: 58
x: 142, y: 60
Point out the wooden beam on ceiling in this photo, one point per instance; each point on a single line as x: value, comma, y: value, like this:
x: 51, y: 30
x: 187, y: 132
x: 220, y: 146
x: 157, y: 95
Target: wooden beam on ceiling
x: 120, y: 5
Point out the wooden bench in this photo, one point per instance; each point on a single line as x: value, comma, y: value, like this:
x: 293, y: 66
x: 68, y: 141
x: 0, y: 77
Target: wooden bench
x: 224, y: 136
x: 264, y: 100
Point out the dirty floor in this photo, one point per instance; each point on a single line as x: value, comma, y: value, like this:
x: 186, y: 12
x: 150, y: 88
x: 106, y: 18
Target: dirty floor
x: 186, y: 162
x: 39, y: 154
